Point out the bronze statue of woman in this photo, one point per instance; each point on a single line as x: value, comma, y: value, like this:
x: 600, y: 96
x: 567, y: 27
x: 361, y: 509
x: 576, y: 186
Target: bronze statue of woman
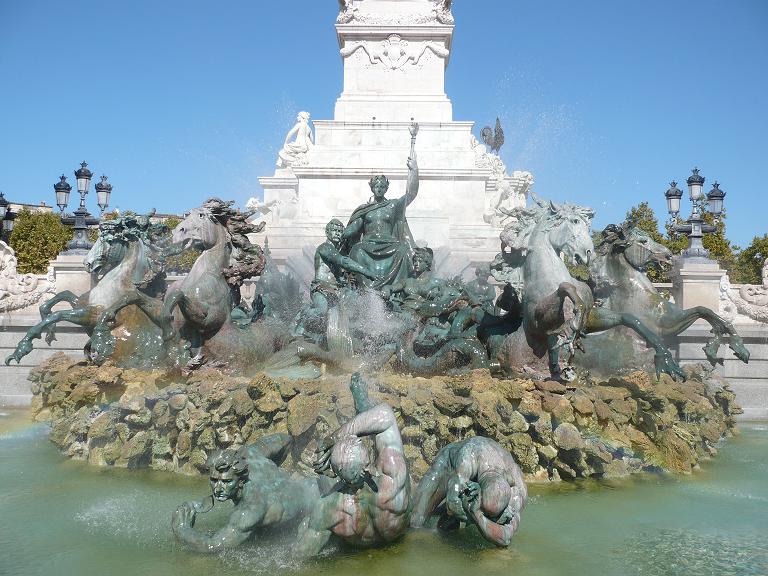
x: 378, y: 236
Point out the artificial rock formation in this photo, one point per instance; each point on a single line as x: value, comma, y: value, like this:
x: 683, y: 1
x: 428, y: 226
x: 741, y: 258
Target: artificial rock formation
x: 111, y: 416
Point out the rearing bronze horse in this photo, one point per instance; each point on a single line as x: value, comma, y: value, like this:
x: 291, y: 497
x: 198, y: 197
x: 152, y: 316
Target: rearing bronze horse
x: 623, y: 253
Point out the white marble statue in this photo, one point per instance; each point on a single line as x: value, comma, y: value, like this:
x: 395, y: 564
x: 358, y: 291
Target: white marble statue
x: 295, y: 153
x: 346, y: 12
x: 443, y: 11
x: 262, y: 211
x: 18, y: 291
x: 511, y: 191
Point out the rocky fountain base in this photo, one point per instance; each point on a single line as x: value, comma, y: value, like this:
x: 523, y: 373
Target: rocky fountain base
x: 129, y: 418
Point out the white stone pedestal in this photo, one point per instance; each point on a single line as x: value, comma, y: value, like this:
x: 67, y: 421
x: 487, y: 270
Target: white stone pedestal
x: 394, y: 53
x: 70, y: 274
x: 697, y: 282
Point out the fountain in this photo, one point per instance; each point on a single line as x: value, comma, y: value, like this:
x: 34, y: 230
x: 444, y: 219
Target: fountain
x: 234, y: 391
x: 391, y: 398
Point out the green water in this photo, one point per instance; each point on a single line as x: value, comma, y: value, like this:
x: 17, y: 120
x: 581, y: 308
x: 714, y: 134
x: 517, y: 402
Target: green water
x: 59, y: 517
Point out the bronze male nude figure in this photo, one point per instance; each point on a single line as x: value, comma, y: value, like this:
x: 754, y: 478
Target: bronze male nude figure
x: 369, y: 504
x: 480, y: 483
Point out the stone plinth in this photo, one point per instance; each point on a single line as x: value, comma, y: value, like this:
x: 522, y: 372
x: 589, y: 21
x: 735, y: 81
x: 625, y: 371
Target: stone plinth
x: 70, y: 274
x: 697, y: 282
x: 14, y: 386
x: 395, y: 53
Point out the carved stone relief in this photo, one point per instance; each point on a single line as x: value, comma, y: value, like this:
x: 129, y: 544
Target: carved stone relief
x: 18, y: 291
x: 394, y: 53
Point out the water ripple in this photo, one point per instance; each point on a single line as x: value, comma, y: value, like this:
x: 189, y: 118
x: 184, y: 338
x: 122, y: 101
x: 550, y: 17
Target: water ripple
x: 673, y: 552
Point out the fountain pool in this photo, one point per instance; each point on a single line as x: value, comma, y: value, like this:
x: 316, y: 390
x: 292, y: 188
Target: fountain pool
x: 59, y: 516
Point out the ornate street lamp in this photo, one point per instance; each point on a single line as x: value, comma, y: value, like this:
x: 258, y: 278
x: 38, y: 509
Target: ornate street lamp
x: 62, y: 189
x: 3, y: 211
x: 673, y: 198
x: 715, y: 200
x: 3, y: 208
x: 6, y: 218
x: 81, y: 218
x: 103, y: 192
x: 695, y: 227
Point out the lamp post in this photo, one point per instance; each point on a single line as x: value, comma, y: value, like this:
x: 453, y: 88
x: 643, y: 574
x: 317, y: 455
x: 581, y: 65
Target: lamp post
x: 3, y: 212
x: 81, y: 218
x: 6, y: 217
x: 695, y: 227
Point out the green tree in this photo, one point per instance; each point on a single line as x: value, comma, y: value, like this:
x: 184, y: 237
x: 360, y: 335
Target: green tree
x: 37, y: 238
x: 751, y: 260
x: 644, y: 218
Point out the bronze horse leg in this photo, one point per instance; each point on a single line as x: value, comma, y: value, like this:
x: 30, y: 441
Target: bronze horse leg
x: 600, y: 319
x: 675, y: 321
x: 81, y: 316
x: 47, y: 306
x: 550, y: 313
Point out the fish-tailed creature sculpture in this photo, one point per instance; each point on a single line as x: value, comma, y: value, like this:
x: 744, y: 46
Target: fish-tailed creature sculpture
x: 623, y: 254
x: 531, y: 262
x: 205, y: 297
x: 127, y: 260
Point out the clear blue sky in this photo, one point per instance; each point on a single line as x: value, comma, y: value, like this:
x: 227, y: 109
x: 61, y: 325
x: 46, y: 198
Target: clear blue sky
x: 177, y: 100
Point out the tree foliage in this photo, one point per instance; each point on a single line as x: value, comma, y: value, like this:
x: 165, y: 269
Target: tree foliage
x: 37, y: 238
x: 751, y: 260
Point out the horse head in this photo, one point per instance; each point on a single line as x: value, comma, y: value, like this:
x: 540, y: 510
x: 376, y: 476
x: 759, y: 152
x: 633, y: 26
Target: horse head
x: 633, y: 244
x: 107, y: 251
x: 216, y: 222
x: 200, y: 229
x: 115, y: 239
x: 569, y: 234
x: 565, y: 226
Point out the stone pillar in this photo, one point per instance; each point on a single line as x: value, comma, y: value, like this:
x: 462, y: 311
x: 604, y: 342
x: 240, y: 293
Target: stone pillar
x: 70, y: 273
x: 696, y: 282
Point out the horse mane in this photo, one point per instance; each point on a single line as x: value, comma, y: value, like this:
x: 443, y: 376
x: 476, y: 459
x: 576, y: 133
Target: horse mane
x: 543, y: 215
x: 153, y: 238
x: 248, y: 258
x: 612, y: 236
